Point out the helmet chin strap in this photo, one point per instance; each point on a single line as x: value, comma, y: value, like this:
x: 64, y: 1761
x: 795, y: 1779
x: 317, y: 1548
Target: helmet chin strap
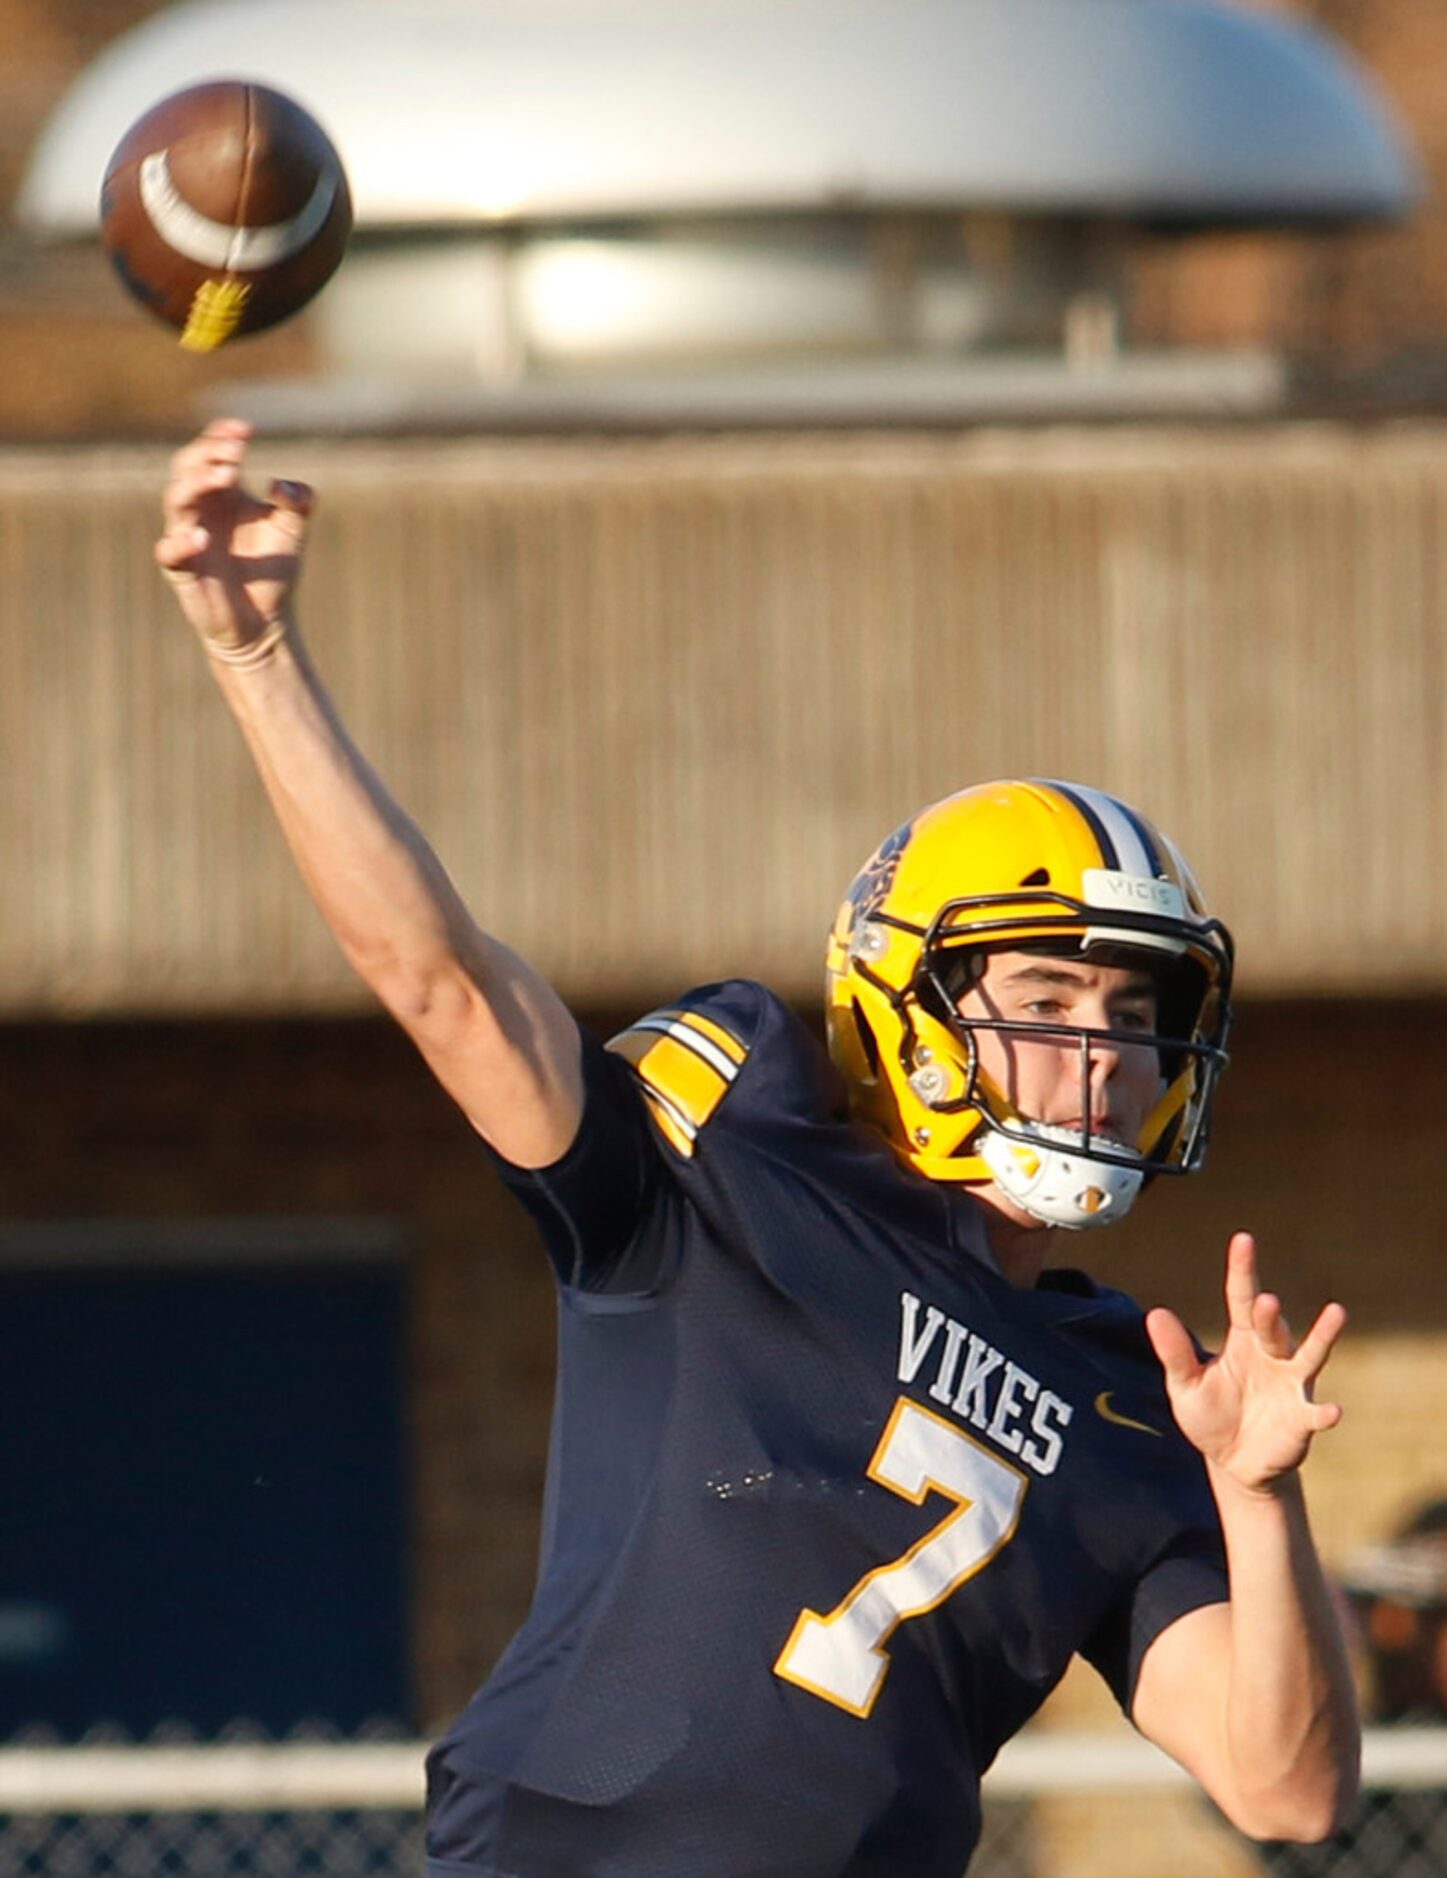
x: 1049, y: 1176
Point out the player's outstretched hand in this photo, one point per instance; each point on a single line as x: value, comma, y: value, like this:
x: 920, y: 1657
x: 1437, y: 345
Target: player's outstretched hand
x: 231, y: 558
x: 1249, y: 1409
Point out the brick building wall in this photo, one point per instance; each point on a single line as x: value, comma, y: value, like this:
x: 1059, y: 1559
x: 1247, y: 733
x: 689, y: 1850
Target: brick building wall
x: 173, y: 1121
x: 1365, y: 308
x: 137, y: 1121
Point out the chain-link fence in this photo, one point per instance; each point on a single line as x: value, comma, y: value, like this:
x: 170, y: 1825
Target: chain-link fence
x: 349, y: 1844
x: 1394, y: 1835
x: 245, y: 1808
x: 238, y: 1807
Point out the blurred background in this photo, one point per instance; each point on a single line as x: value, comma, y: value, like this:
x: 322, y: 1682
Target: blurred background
x: 736, y: 426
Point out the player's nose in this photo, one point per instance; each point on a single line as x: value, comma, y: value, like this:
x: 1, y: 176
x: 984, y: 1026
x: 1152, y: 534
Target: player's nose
x: 1106, y: 1054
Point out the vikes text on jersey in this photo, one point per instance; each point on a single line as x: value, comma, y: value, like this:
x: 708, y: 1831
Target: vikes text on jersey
x: 981, y: 1385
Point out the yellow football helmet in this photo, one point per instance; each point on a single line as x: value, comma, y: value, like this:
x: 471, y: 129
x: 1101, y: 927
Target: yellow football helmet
x: 1022, y: 865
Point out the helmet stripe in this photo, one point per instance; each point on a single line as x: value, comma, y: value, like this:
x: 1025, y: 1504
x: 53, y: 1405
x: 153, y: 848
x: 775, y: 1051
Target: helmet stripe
x: 1183, y: 874
x: 1077, y: 798
x: 1124, y: 840
x: 1155, y: 861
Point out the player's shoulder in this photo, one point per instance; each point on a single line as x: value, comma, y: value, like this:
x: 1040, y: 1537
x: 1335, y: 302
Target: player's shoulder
x: 730, y: 1050
x: 1130, y: 1386
x: 1118, y: 1308
x: 1110, y: 1322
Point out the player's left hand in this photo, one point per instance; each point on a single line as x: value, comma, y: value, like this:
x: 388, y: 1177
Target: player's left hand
x: 1249, y: 1409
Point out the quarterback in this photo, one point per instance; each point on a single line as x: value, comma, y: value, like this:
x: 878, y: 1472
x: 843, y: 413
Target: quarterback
x: 846, y: 1464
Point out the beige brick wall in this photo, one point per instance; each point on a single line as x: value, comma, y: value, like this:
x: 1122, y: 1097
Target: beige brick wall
x: 1348, y: 302
x: 169, y: 1120
x: 1136, y: 1836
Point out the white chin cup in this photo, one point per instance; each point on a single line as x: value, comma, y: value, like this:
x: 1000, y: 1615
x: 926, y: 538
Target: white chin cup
x: 1056, y: 1186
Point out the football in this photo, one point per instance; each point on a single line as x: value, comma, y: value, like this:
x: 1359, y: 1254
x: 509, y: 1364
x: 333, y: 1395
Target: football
x: 225, y: 209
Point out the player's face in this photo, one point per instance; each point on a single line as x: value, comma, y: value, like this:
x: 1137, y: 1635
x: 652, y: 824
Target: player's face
x: 1042, y: 1076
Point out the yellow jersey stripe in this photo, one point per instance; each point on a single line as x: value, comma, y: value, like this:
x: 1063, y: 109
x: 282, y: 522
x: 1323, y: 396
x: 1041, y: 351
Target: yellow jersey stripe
x: 631, y: 1045
x: 686, y: 1081
x: 671, y: 1125
x: 716, y: 1034
x: 685, y: 1063
x: 677, y: 1025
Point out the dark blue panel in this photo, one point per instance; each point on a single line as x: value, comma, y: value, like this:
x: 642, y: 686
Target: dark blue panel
x: 202, y: 1480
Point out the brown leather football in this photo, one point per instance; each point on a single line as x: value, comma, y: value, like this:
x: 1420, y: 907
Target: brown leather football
x: 224, y: 209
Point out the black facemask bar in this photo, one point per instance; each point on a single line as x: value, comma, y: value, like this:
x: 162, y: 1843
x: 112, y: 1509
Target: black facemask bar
x: 1050, y: 912
x: 1209, y: 1060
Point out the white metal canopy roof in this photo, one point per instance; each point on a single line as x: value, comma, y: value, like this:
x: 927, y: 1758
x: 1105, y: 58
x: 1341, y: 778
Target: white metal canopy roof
x: 455, y: 111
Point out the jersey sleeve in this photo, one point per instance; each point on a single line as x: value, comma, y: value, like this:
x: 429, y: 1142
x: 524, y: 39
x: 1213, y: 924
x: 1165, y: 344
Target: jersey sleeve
x: 684, y: 1060
x: 727, y: 1059
x: 1187, y: 1572
x: 597, y: 1207
x: 652, y: 1096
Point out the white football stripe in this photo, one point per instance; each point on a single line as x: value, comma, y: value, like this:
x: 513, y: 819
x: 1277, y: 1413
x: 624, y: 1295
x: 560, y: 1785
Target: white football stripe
x: 217, y: 244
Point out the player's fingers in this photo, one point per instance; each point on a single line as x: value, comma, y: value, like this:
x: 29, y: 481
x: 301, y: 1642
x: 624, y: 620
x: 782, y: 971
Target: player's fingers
x: 179, y: 547
x: 1172, y: 1344
x: 1272, y: 1330
x: 215, y: 444
x: 1241, y: 1282
x: 213, y: 460
x: 184, y: 495
x: 1316, y: 1346
x: 223, y: 436
x: 292, y: 504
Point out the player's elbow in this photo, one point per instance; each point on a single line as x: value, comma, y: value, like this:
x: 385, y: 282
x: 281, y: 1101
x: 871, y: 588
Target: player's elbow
x: 1301, y: 1811
x: 1293, y: 1825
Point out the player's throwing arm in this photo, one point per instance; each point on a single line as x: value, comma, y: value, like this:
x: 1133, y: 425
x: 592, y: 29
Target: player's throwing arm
x: 491, y: 1028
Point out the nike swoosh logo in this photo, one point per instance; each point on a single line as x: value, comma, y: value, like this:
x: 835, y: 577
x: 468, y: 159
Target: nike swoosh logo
x: 1107, y: 1413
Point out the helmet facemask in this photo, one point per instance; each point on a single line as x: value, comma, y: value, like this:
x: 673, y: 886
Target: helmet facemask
x: 1079, y: 1174
x: 1075, y: 1176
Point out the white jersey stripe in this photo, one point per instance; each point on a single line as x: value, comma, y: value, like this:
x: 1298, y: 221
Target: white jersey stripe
x: 688, y: 1129
x: 701, y: 1046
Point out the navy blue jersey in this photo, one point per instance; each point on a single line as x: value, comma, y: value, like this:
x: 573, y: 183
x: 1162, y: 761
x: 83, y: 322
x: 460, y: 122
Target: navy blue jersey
x: 830, y: 1504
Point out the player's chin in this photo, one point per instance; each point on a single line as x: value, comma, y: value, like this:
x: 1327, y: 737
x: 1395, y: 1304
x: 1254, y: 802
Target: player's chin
x: 1008, y: 1208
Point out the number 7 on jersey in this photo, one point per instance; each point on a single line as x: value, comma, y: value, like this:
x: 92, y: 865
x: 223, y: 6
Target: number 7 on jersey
x: 843, y: 1657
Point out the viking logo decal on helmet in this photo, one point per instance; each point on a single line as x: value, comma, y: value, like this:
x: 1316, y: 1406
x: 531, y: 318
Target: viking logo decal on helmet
x: 871, y: 887
x: 1034, y: 865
